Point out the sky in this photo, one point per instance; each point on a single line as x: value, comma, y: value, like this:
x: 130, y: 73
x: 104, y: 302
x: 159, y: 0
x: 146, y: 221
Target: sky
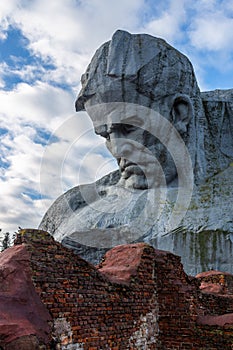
x: 45, y: 46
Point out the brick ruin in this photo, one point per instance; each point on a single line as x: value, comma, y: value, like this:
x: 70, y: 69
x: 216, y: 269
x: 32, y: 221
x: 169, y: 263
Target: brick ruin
x: 136, y: 298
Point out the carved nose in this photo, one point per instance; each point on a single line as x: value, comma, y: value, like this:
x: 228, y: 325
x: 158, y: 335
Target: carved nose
x: 121, y: 146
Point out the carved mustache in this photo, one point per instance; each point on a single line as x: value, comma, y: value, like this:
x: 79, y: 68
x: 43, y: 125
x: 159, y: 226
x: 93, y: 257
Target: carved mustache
x: 132, y: 167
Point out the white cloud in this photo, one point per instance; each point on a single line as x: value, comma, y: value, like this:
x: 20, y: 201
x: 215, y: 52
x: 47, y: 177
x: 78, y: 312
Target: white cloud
x: 16, y: 208
x: 168, y: 24
x: 19, y: 178
x: 6, y: 8
x: 212, y: 31
x: 40, y: 104
x: 34, y: 169
x: 79, y: 157
x: 23, y: 109
x: 67, y: 33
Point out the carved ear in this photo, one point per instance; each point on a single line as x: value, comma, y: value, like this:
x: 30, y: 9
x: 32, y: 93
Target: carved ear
x: 182, y: 113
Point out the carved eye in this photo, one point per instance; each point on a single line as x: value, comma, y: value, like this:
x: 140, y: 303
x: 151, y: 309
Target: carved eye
x: 123, y: 129
x: 127, y: 128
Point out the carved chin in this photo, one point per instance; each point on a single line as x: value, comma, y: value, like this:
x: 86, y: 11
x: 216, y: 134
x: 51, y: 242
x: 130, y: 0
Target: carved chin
x: 133, y: 177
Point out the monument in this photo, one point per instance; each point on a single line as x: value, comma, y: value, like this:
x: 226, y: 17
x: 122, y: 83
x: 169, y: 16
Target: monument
x: 174, y: 147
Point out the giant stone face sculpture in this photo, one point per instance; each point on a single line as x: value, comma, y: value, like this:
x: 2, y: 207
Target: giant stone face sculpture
x: 140, y: 70
x: 174, y: 147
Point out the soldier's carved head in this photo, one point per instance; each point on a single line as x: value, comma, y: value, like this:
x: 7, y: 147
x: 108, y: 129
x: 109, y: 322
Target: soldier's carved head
x: 132, y: 79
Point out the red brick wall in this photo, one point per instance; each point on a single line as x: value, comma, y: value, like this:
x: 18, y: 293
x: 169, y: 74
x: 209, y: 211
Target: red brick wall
x: 138, y: 298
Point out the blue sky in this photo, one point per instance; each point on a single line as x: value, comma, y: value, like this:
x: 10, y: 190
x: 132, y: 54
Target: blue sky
x: 45, y: 46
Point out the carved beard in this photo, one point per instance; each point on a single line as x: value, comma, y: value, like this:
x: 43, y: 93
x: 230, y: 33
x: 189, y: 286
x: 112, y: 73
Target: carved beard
x: 132, y: 175
x: 154, y: 166
x: 159, y: 173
